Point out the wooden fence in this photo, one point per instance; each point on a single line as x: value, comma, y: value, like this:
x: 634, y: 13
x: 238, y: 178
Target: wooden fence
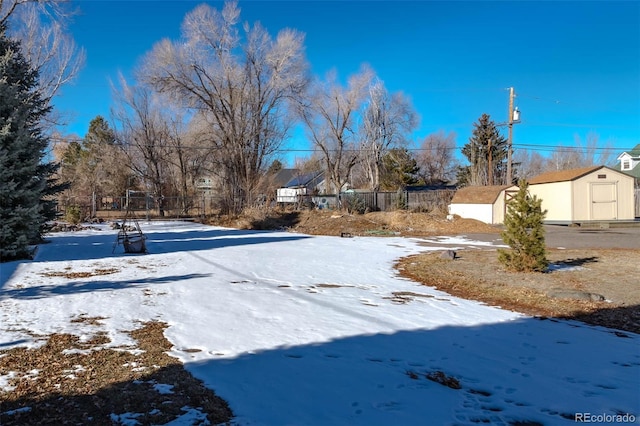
x: 637, y: 202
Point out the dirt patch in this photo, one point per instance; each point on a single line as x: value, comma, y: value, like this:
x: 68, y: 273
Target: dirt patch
x: 477, y: 275
x: 323, y: 222
x: 67, y: 381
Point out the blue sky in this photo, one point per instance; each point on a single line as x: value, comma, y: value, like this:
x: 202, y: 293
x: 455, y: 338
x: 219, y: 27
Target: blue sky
x: 575, y: 66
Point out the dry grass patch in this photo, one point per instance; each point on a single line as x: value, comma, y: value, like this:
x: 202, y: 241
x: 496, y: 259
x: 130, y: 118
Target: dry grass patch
x: 67, y: 381
x: 336, y: 223
x: 477, y: 275
x: 81, y: 274
x: 83, y: 318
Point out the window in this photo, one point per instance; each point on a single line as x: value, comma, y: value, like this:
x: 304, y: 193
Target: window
x: 626, y: 164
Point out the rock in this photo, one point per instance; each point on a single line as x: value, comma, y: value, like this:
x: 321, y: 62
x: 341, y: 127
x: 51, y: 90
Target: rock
x: 576, y: 295
x: 448, y: 255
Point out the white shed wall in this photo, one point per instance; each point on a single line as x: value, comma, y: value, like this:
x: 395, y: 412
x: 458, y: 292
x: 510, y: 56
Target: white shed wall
x: 499, y: 209
x: 481, y: 212
x: 557, y: 199
x: 572, y: 201
x: 289, y: 195
x: 623, y: 195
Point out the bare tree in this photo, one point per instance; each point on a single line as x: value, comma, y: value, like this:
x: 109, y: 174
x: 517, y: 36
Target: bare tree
x: 593, y: 151
x: 563, y: 158
x: 582, y: 154
x: 144, y: 137
x: 42, y: 28
x: 330, y: 117
x: 242, y: 85
x: 186, y: 158
x: 528, y: 164
x: 387, y: 122
x: 436, y: 157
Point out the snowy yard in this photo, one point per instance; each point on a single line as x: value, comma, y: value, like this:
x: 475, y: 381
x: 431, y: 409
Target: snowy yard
x: 294, y: 329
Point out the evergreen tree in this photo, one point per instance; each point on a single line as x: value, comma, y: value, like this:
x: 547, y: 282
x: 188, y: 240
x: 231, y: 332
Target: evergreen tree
x: 25, y: 179
x: 486, y: 145
x: 275, y: 167
x: 104, y: 168
x: 524, y: 233
x: 97, y: 167
x: 399, y: 169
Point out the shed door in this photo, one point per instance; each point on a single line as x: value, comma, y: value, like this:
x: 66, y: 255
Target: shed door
x: 604, y: 205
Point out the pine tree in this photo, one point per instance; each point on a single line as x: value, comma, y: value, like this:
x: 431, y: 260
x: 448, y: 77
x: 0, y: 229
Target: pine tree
x: 25, y: 180
x: 524, y: 233
x: 486, y: 145
x: 399, y: 169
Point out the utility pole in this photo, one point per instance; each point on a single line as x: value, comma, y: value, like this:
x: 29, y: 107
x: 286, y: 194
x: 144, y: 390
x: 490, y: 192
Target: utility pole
x: 510, y: 138
x: 490, y: 169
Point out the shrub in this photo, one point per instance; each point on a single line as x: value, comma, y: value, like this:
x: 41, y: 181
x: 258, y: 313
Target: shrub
x: 401, y: 200
x: 524, y: 233
x: 72, y: 215
x: 353, y: 203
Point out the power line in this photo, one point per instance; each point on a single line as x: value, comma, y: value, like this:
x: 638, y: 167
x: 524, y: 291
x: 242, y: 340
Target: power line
x: 527, y: 146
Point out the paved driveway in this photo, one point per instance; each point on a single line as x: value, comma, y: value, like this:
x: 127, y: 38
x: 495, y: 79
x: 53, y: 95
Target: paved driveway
x: 581, y: 238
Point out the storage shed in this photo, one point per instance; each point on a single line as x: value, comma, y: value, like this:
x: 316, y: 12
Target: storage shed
x: 484, y: 203
x: 299, y: 186
x: 597, y: 193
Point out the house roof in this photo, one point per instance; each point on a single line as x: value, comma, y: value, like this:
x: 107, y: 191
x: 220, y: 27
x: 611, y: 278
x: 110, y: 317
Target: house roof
x: 478, y: 194
x: 635, y: 172
x: 285, y: 175
x: 563, y: 175
x: 634, y: 153
x: 305, y: 180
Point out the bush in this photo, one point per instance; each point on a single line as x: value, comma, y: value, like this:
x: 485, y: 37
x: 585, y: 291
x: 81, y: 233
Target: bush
x: 524, y: 233
x: 401, y: 200
x: 72, y: 215
x: 353, y: 203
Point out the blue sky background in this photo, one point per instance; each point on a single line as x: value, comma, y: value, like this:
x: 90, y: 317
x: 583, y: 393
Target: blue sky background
x: 575, y: 66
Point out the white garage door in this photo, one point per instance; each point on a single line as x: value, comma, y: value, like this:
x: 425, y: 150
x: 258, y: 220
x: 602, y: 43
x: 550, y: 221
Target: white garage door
x: 604, y: 205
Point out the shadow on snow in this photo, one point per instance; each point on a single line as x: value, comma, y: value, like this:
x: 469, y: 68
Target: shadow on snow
x: 525, y: 371
x: 78, y: 287
x: 100, y: 245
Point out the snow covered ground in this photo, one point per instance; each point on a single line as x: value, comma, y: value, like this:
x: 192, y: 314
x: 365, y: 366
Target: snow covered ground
x: 302, y: 330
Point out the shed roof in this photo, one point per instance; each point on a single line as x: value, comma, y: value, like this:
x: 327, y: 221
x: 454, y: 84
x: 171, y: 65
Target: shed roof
x: 478, y: 194
x: 563, y: 175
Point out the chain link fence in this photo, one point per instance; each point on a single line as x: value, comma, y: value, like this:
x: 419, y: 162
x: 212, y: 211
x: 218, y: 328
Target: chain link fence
x: 141, y: 206
x: 145, y: 206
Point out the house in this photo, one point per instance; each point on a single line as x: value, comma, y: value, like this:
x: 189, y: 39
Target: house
x: 483, y: 203
x: 299, y: 186
x: 284, y: 176
x: 629, y: 163
x: 596, y: 193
